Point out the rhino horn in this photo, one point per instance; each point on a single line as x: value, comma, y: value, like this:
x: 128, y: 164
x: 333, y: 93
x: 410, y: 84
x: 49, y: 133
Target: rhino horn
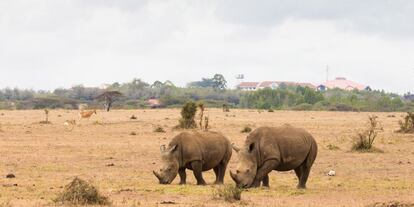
x: 234, y: 177
x: 157, y: 175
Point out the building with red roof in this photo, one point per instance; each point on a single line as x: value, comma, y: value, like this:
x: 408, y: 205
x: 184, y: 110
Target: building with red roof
x: 344, y: 84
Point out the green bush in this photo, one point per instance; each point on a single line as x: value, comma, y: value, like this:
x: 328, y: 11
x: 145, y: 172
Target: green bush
x: 303, y: 107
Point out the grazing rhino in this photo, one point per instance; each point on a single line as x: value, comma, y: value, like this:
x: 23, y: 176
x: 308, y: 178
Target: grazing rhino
x: 268, y: 148
x: 197, y: 151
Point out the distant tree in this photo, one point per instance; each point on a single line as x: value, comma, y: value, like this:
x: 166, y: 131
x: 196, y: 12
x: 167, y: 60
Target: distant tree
x: 157, y: 84
x: 219, y: 82
x: 169, y: 83
x: 109, y: 97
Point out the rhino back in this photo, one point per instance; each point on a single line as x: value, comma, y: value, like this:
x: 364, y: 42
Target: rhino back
x: 209, y: 147
x: 287, y: 144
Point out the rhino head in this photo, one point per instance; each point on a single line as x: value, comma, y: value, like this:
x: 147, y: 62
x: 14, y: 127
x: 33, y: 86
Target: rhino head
x: 169, y: 165
x: 247, y: 166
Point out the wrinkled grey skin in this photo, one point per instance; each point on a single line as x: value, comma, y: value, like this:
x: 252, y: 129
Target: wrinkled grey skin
x: 274, y: 148
x: 197, y: 151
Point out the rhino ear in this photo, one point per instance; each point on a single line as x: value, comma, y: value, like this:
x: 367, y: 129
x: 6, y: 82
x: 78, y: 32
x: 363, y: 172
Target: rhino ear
x: 235, y: 148
x: 162, y: 148
x: 251, y: 147
x: 172, y: 149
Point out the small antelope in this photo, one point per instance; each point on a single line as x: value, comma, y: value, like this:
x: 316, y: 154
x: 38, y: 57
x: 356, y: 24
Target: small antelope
x: 86, y: 114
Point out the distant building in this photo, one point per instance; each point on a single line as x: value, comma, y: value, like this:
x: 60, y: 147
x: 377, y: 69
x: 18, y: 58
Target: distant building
x: 342, y: 83
x: 252, y: 86
x: 248, y: 86
x: 154, y: 103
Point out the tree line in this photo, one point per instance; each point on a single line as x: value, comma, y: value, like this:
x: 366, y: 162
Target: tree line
x: 212, y: 92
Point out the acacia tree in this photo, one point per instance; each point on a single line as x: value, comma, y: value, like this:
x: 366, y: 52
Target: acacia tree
x: 109, y: 97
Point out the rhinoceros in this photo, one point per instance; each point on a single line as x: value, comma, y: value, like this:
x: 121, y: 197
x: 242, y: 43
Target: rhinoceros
x: 197, y: 151
x: 282, y: 148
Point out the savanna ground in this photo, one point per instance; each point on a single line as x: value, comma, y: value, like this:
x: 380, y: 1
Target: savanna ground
x: 103, y: 150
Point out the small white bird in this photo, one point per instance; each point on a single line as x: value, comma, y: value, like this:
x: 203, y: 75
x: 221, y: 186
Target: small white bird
x: 331, y: 173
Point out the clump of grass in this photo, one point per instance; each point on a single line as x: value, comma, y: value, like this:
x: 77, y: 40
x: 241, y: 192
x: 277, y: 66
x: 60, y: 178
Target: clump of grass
x: 133, y: 133
x: 133, y: 117
x: 364, y: 141
x: 270, y: 110
x: 80, y: 192
x: 246, y: 129
x: 407, y: 125
x: 229, y: 193
x: 159, y: 129
x: 332, y: 147
x: 188, y: 113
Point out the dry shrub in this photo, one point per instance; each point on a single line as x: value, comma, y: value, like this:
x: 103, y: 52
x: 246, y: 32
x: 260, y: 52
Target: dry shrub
x: 246, y: 129
x: 133, y: 117
x: 188, y: 113
x: 226, y: 108
x: 46, y: 121
x: 159, y: 129
x: 80, y: 192
x: 407, y: 126
x: 229, y: 193
x: 364, y: 141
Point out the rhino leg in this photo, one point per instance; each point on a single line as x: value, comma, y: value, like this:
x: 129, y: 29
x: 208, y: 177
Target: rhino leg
x: 265, y: 181
x: 220, y: 172
x: 303, y: 173
x: 197, y: 167
x: 264, y: 171
x: 183, y: 176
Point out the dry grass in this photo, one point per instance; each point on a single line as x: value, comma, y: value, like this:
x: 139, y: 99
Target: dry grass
x: 80, y: 192
x: 229, y: 193
x: 159, y: 129
x: 407, y: 125
x: 45, y: 158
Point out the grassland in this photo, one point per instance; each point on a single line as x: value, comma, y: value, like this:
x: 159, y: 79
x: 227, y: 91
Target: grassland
x: 104, y: 151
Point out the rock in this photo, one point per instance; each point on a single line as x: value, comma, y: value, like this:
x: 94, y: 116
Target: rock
x: 331, y: 173
x: 10, y: 175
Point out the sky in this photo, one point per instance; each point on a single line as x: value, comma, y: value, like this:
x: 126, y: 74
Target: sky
x: 46, y: 44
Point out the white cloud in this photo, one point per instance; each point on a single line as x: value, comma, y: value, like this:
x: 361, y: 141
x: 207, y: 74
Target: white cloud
x: 47, y: 44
